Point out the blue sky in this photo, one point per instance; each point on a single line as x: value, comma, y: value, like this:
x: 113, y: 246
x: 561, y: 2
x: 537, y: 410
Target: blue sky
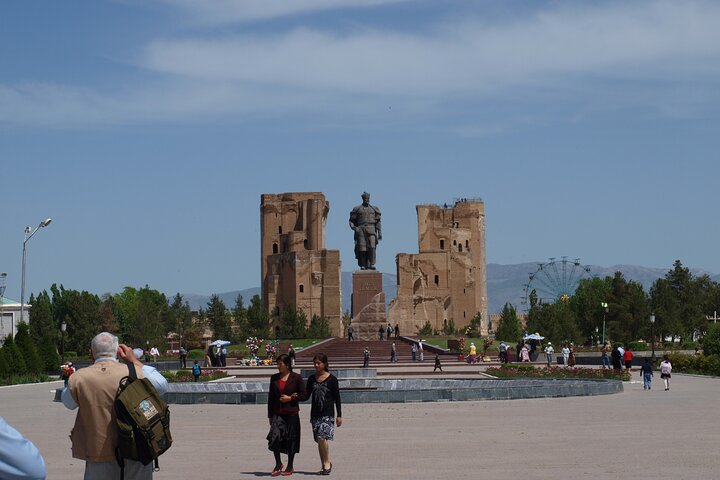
x: 149, y: 129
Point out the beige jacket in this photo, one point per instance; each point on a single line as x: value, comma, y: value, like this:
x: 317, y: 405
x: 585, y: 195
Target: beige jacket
x: 94, y: 436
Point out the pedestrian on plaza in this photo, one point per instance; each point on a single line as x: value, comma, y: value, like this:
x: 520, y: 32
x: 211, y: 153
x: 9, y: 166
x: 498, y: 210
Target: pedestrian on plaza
x: 223, y: 356
x: 549, y: 350
x: 502, y: 348
x: 437, y: 363
x: 155, y: 353
x: 420, y: 351
x: 65, y: 372
x: 350, y: 332
x: 92, y: 391
x: 566, y: 354
x: 525, y: 353
x: 196, y: 371
x: 19, y: 457
x: 397, y: 330
x: 291, y: 354
x: 324, y: 389
x: 571, y: 356
x: 472, y: 354
x: 366, y: 357
x: 413, y: 351
x: 646, y: 373
x: 287, y: 388
x: 389, y: 330
x: 381, y: 333
x: 518, y: 350
x: 183, y: 357
x: 622, y: 351
x: 605, y: 355
x: 628, y: 358
x: 533, y: 350
x: 666, y: 372
x: 210, y: 357
x: 393, y: 354
x: 616, y: 358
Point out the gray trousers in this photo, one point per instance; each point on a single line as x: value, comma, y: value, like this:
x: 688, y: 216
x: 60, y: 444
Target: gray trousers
x: 111, y: 470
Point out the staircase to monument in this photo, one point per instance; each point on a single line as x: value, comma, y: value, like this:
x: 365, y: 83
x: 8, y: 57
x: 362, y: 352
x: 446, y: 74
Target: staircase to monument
x: 342, y: 351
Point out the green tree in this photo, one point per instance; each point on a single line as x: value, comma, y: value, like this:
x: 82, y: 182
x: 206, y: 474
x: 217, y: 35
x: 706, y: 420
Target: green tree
x: 258, y: 318
x: 319, y: 327
x: 711, y: 340
x: 586, y: 303
x: 677, y: 302
x: 629, y: 309
x: 509, y: 326
x: 218, y: 318
x: 108, y: 322
x: 26, y: 346
x: 14, y: 360
x: 41, y: 316
x: 555, y: 321
x: 473, y: 330
x: 240, y: 320
x: 81, y: 312
x: 179, y: 317
x: 293, y: 323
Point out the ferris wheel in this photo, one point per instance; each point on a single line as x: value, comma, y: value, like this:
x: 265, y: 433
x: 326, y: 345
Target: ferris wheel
x: 555, y: 280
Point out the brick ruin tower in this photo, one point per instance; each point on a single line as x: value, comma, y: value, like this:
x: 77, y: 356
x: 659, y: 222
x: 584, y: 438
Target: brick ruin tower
x: 296, y: 268
x: 447, y: 279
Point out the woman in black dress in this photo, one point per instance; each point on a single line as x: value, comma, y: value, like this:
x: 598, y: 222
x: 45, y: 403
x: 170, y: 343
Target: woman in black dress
x: 325, y: 391
x: 286, y: 390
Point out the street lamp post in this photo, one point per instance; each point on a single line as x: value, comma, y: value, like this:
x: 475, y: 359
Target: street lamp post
x: 31, y: 232
x: 597, y: 336
x: 63, y: 327
x: 652, y: 337
x: 605, y: 306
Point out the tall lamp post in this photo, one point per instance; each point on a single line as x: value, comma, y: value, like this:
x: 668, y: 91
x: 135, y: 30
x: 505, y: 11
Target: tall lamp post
x: 63, y: 327
x: 653, y: 359
x: 29, y: 232
x: 604, y: 305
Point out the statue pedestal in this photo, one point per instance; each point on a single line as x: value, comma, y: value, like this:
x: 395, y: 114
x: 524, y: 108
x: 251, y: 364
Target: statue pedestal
x: 368, y: 304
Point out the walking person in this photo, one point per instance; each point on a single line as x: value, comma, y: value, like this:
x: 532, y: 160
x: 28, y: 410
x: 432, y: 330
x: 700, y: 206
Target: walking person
x: 566, y: 355
x: 183, y: 357
x: 420, y: 351
x: 616, y: 359
x: 518, y: 350
x: 549, y: 350
x: 413, y: 351
x: 223, y: 356
x: 393, y: 354
x: 389, y: 330
x: 437, y: 363
x: 196, y: 371
x: 381, y: 333
x: 397, y: 330
x: 291, y: 354
x: 628, y: 358
x: 366, y: 357
x: 571, y: 357
x: 605, y: 355
x: 646, y: 373
x: 525, y: 353
x: 324, y: 389
x: 666, y: 372
x: 350, y: 332
x: 287, y: 388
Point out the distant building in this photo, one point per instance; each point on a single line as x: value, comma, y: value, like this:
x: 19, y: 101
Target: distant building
x: 447, y: 279
x: 296, y: 267
x: 9, y: 317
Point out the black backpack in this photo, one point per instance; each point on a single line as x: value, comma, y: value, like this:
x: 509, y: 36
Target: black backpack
x: 143, y: 421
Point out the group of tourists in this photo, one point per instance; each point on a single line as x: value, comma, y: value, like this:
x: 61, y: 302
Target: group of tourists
x: 646, y: 372
x: 619, y: 356
x: 382, y: 331
x: 567, y: 351
x: 287, y: 389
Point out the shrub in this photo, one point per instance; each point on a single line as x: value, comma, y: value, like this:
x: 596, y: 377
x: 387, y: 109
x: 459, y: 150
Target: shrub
x: 639, y: 346
x: 187, y: 376
x: 529, y: 371
x: 426, y: 330
x: 711, y: 340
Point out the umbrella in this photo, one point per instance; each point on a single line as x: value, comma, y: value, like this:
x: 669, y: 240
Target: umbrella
x: 533, y: 336
x: 220, y: 343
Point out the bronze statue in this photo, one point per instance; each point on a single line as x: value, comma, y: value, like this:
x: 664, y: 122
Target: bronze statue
x: 365, y: 222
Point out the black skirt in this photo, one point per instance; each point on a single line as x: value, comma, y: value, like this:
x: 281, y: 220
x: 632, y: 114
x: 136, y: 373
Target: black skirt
x: 284, y: 435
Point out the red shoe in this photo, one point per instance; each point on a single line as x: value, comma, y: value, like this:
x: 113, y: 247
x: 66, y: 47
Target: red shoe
x: 277, y: 471
x: 287, y: 473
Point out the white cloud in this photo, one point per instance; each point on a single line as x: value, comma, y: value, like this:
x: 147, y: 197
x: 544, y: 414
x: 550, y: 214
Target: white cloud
x: 657, y: 40
x: 639, y: 55
x: 238, y: 11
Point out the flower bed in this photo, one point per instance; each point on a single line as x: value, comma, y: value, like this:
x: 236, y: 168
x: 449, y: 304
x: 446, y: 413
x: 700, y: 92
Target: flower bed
x: 528, y: 371
x: 187, y: 376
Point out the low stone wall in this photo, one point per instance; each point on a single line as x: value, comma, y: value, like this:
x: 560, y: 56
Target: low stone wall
x: 371, y: 390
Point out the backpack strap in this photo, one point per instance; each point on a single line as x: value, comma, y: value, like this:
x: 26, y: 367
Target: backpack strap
x: 132, y: 371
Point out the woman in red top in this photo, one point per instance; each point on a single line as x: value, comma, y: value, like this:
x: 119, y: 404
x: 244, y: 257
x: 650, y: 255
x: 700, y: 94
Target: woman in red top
x: 286, y: 390
x: 628, y: 358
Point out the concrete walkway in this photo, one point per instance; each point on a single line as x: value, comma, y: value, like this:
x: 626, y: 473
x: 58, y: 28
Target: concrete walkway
x: 636, y: 434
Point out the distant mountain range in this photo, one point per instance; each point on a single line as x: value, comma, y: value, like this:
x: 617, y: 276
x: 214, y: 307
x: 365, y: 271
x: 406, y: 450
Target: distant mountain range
x: 505, y: 284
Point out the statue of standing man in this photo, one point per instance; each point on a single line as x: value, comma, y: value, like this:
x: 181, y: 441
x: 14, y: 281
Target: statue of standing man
x: 365, y: 222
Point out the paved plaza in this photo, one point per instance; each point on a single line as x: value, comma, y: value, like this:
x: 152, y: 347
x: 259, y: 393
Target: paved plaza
x: 635, y: 435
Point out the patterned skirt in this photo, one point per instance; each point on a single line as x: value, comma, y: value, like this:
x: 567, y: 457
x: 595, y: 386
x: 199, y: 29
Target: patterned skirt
x: 323, y: 428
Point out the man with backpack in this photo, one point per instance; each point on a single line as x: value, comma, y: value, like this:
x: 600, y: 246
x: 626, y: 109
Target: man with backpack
x: 92, y: 390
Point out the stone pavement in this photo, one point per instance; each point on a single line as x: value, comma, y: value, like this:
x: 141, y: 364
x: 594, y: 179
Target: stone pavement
x: 636, y: 435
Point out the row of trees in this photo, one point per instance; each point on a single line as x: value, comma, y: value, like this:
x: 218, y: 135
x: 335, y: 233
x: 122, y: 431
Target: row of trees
x: 22, y: 356
x: 680, y: 302
x: 144, y: 317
